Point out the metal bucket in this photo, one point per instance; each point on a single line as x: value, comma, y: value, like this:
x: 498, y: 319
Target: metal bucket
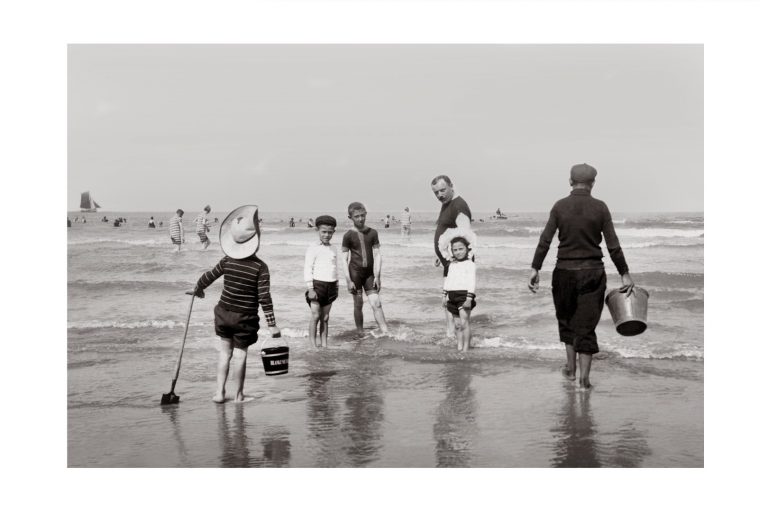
x: 629, y: 313
x: 275, y: 360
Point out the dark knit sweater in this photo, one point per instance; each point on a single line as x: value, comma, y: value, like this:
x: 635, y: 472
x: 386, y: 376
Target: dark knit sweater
x: 580, y: 219
x: 246, y: 285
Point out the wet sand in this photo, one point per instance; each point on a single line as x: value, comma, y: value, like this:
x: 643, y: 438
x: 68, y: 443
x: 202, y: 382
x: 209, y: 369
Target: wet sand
x: 360, y: 405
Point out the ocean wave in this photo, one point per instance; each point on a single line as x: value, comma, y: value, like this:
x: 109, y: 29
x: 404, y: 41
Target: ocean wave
x: 141, y: 324
x: 660, y: 233
x: 646, y: 245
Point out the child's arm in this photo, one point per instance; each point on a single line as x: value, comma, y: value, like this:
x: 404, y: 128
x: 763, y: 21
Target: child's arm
x: 265, y: 298
x: 309, y: 263
x: 377, y: 267
x: 208, y: 278
x: 347, y: 258
x: 471, y: 283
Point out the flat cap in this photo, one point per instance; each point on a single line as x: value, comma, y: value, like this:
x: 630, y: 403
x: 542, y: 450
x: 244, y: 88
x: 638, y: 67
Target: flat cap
x: 583, y: 173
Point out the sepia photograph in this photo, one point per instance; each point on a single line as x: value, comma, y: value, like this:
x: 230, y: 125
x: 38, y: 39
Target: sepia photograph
x: 385, y: 256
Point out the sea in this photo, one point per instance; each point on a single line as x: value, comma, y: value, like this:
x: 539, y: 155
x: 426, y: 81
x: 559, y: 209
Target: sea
x: 127, y: 311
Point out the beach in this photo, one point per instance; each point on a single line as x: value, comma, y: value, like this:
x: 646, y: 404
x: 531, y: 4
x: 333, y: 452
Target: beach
x: 405, y: 400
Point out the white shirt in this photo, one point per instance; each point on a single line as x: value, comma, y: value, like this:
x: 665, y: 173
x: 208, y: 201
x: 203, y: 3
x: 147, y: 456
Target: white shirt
x: 461, y: 276
x: 321, y: 263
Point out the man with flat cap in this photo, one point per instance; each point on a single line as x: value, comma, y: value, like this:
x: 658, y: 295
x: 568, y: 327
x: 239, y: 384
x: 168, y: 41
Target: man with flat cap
x: 579, y: 281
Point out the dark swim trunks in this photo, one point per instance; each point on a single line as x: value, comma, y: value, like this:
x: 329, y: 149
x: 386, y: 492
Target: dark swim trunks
x: 243, y: 328
x: 578, y: 297
x: 327, y: 292
x: 176, y: 241
x: 203, y: 237
x: 456, y: 300
x: 363, y: 280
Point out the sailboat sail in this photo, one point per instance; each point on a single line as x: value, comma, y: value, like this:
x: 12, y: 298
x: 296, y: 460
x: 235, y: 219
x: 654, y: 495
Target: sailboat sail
x: 87, y: 204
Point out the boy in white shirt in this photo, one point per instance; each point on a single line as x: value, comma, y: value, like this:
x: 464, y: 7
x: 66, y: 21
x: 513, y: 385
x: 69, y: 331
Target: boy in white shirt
x: 322, y: 279
x: 459, y: 290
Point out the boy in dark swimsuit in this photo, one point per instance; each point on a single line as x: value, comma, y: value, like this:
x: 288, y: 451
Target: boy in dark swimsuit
x: 360, y: 247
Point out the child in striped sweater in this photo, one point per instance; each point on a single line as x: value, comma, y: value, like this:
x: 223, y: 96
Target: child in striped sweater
x: 246, y: 285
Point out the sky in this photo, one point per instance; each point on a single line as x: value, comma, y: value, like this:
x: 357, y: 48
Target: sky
x: 308, y: 127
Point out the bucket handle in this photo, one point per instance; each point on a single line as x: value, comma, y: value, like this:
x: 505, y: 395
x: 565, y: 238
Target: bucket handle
x: 264, y: 342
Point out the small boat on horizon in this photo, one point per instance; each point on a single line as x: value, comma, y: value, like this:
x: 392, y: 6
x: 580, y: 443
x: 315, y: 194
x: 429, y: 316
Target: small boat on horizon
x: 87, y: 203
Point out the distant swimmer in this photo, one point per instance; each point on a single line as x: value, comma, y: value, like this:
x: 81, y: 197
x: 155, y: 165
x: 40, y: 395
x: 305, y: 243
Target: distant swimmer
x: 161, y: 223
x: 151, y: 223
x: 291, y: 223
x: 177, y: 229
x: 579, y: 281
x: 69, y: 223
x: 386, y: 222
x: 405, y: 222
x: 215, y: 220
x: 104, y: 219
x: 310, y: 223
x: 116, y: 223
x: 202, y: 228
x: 456, y: 216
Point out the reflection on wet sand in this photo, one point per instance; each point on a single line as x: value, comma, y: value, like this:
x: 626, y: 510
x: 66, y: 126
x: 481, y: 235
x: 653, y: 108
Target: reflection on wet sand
x: 363, y: 418
x: 351, y: 438
x: 235, y: 443
x: 455, y: 427
x: 576, y: 434
x: 575, y: 431
x: 173, y: 414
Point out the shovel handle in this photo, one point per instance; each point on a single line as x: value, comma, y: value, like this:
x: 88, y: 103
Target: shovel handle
x: 184, y: 340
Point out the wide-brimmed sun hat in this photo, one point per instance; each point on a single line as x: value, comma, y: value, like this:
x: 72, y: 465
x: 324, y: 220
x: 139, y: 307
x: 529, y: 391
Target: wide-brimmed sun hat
x: 239, y: 234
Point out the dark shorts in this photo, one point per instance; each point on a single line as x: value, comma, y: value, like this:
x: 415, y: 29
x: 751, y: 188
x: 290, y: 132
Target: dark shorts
x: 327, y: 292
x: 176, y: 241
x: 578, y: 297
x: 203, y: 237
x: 240, y: 327
x: 363, y: 279
x: 456, y: 300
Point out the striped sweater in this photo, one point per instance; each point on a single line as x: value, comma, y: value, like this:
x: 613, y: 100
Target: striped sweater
x: 246, y: 285
x: 177, y: 228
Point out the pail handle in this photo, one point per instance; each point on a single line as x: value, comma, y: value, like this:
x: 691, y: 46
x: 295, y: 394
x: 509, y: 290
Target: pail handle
x: 263, y: 343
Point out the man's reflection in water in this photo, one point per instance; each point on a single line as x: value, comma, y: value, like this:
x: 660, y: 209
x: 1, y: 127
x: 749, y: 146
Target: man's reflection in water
x: 577, y: 445
x: 455, y: 428
x: 365, y: 413
x: 575, y: 431
x: 236, y: 445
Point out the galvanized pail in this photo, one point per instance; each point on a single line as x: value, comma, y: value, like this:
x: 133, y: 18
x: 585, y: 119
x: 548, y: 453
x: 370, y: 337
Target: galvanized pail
x: 629, y: 313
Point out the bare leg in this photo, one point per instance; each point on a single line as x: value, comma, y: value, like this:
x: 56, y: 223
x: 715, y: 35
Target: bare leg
x: 450, y: 326
x: 325, y: 313
x: 585, y: 364
x: 206, y: 244
x: 466, y: 331
x: 459, y: 329
x: 222, y: 370
x: 239, y: 357
x: 378, y: 312
x: 358, y: 300
x: 314, y: 318
x: 570, y: 366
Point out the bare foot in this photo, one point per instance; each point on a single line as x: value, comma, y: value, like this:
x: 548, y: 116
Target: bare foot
x: 219, y: 398
x: 584, y: 383
x: 240, y: 397
x: 568, y: 375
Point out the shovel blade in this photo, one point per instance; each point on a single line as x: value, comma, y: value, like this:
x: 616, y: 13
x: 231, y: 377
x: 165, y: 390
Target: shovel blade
x: 169, y: 398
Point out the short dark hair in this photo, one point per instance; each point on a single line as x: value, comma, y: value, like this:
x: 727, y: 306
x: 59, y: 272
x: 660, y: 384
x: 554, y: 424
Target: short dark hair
x: 460, y: 239
x: 355, y: 206
x: 179, y: 212
x: 326, y: 220
x: 443, y: 177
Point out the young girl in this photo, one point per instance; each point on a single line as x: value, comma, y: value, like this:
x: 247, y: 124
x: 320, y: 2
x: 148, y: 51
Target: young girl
x: 459, y: 290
